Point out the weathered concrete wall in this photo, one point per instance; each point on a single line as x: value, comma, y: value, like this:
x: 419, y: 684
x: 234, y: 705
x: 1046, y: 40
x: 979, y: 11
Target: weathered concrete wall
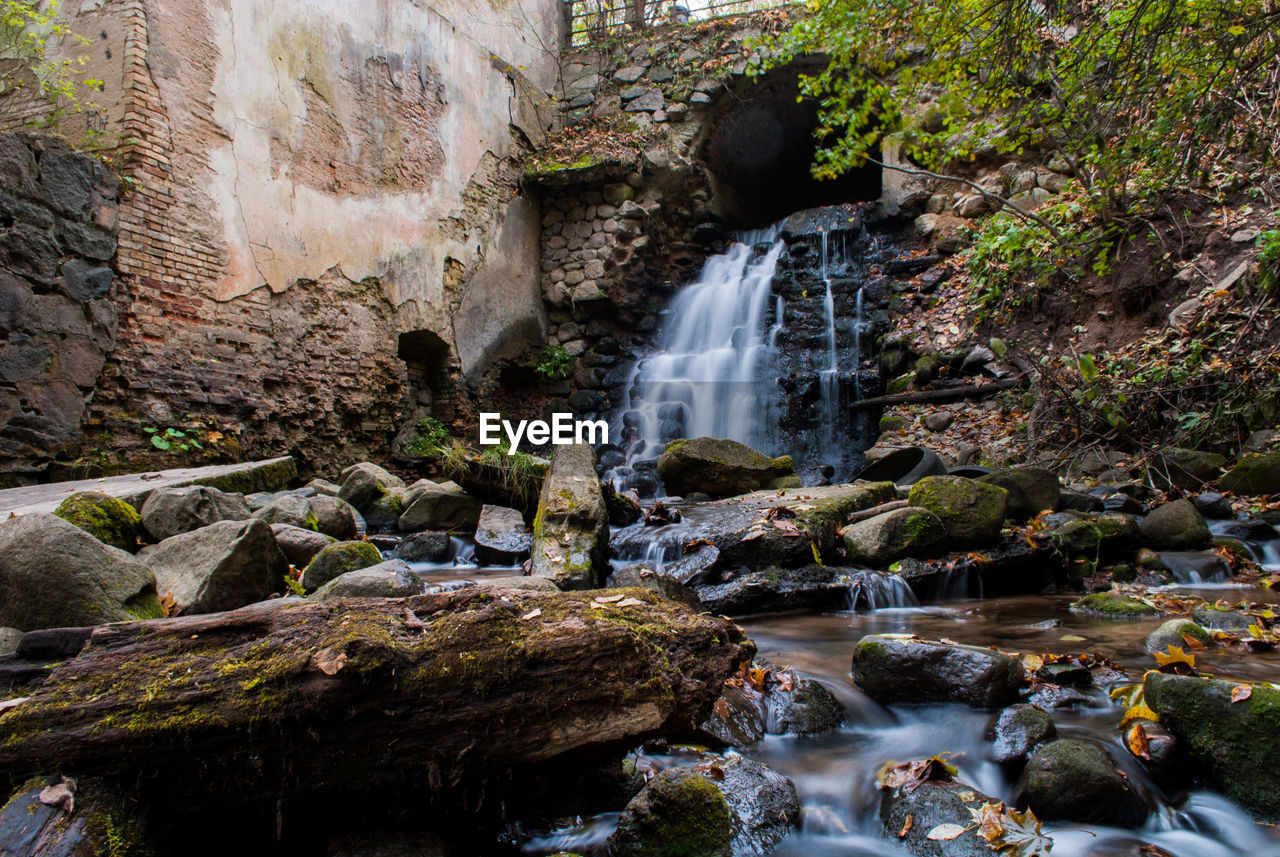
x: 306, y: 181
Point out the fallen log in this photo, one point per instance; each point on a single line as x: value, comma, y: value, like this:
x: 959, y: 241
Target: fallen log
x: 349, y: 695
x: 875, y: 511
x: 947, y: 394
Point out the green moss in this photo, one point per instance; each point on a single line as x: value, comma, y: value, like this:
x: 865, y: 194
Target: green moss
x: 899, y: 385
x: 145, y: 605
x: 106, y: 518
x: 251, y: 480
x: 1115, y: 606
x: 679, y: 814
x: 971, y: 512
x: 337, y: 559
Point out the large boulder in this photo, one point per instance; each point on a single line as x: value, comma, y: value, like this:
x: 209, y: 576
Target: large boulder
x: 1074, y: 780
x: 390, y: 579
x: 108, y: 519
x: 721, y: 468
x: 334, y: 517
x: 679, y: 813
x: 895, y: 669
x: 972, y: 512
x: 291, y: 509
x: 909, y: 813
x: 1098, y: 537
x: 440, y: 508
x: 338, y: 559
x: 219, y: 567
x: 171, y: 511
x: 1032, y: 490
x: 54, y: 574
x: 1258, y: 473
x: 299, y: 545
x: 889, y: 537
x: 1176, y: 526
x: 365, y: 483
x: 571, y: 529
x: 772, y: 590
x: 1233, y: 746
x: 763, y: 804
x: 501, y: 536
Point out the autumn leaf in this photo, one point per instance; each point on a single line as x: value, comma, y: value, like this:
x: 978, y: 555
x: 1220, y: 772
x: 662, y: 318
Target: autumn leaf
x: 720, y: 709
x: 911, y: 775
x: 1192, y: 642
x: 329, y: 660
x: 906, y: 826
x: 1241, y: 692
x: 1176, y: 661
x: 609, y: 599
x: 631, y: 602
x: 946, y: 832
x: 532, y: 614
x: 1138, y: 711
x: 1136, y: 739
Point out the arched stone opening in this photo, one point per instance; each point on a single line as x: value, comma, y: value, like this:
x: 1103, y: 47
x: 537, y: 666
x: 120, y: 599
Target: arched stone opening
x: 758, y: 149
x: 426, y: 359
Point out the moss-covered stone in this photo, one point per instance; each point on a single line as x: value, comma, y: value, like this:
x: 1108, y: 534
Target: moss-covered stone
x: 1074, y: 780
x: 1112, y: 605
x: 1174, y: 633
x: 1032, y: 490
x: 110, y: 521
x: 721, y: 468
x: 971, y: 512
x: 1176, y: 526
x: 1258, y: 473
x: 889, y: 537
x: 900, y: 384
x: 338, y: 559
x: 571, y: 528
x: 1233, y: 746
x: 679, y: 813
x: 889, y: 424
x: 1097, y: 537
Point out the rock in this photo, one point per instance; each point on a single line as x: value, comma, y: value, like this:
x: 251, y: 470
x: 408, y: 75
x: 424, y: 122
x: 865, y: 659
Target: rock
x: 1188, y: 469
x: 9, y: 638
x: 54, y: 575
x: 1209, y: 616
x: 624, y: 509
x: 171, y: 511
x: 338, y: 559
x: 648, y: 101
x: 1110, y: 605
x: 1173, y: 633
x: 334, y: 517
x: 291, y: 509
x: 763, y: 804
x: 1096, y: 537
x: 1258, y: 473
x: 383, y: 514
x: 390, y: 579
x: 536, y: 584
x: 423, y: 547
x: 1213, y: 505
x: 890, y: 669
x: 324, y: 487
x: 1017, y: 731
x: 721, y: 468
x: 928, y: 806
x: 1074, y: 780
x: 1032, y: 490
x: 808, y: 709
x: 630, y: 74
x: 971, y: 512
x: 109, y: 520
x: 363, y: 484
x: 58, y: 817
x: 889, y: 537
x: 772, y: 590
x: 219, y: 567
x: 1231, y: 746
x: 299, y: 545
x: 679, y: 813
x: 905, y: 466
x: 646, y: 577
x: 938, y: 421
x: 1176, y: 526
x: 571, y: 528
x: 1076, y: 501
x: 437, y: 508
x: 501, y: 537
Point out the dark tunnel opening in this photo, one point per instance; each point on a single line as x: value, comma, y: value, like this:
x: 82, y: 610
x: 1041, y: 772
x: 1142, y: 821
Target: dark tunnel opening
x: 759, y: 149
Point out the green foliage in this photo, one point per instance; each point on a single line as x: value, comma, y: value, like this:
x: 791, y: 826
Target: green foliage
x: 553, y: 363
x: 432, y: 437
x: 172, y: 438
x: 1269, y: 260
x: 517, y: 473
x: 1135, y: 94
x: 27, y: 27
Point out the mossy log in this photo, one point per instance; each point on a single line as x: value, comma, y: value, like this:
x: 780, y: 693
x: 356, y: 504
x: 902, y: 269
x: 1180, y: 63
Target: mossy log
x: 337, y: 697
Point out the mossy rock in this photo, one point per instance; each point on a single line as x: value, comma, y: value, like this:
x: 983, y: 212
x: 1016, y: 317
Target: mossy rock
x: 1188, y: 469
x: 894, y: 535
x: 889, y: 424
x: 1176, y: 526
x: 1032, y: 490
x: 1112, y: 605
x: 679, y: 813
x: 971, y: 512
x: 720, y: 467
x: 109, y: 520
x: 899, y: 385
x: 338, y: 559
x: 1074, y: 780
x: 1258, y: 473
x: 1098, y: 537
x: 1231, y: 746
x: 1174, y: 633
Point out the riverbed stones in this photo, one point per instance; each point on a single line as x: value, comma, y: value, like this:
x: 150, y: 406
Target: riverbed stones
x: 1176, y: 526
x: 1220, y: 619
x: 891, y: 669
x: 291, y: 509
x: 571, y: 528
x: 171, y: 511
x: 1258, y: 473
x: 644, y: 576
x: 108, y: 519
x: 364, y: 483
x: 1113, y: 605
x: 299, y: 545
x: 1230, y: 746
x: 54, y: 574
x: 1105, y: 536
x: 338, y: 559
x: 1188, y: 469
x: 679, y: 813
x: 921, y: 809
x: 719, y: 467
x: 223, y: 566
x: 334, y: 517
x: 763, y: 804
x: 1018, y: 730
x: 1032, y: 490
x: 1075, y: 780
x: 426, y: 546
x: 437, y: 508
x: 501, y: 537
x: 773, y: 590
x: 1175, y: 633
x: 390, y: 579
x: 889, y: 537
x: 971, y: 512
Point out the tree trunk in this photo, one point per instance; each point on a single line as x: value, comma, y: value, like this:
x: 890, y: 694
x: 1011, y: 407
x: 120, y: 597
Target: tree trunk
x: 345, y: 696
x: 946, y: 394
